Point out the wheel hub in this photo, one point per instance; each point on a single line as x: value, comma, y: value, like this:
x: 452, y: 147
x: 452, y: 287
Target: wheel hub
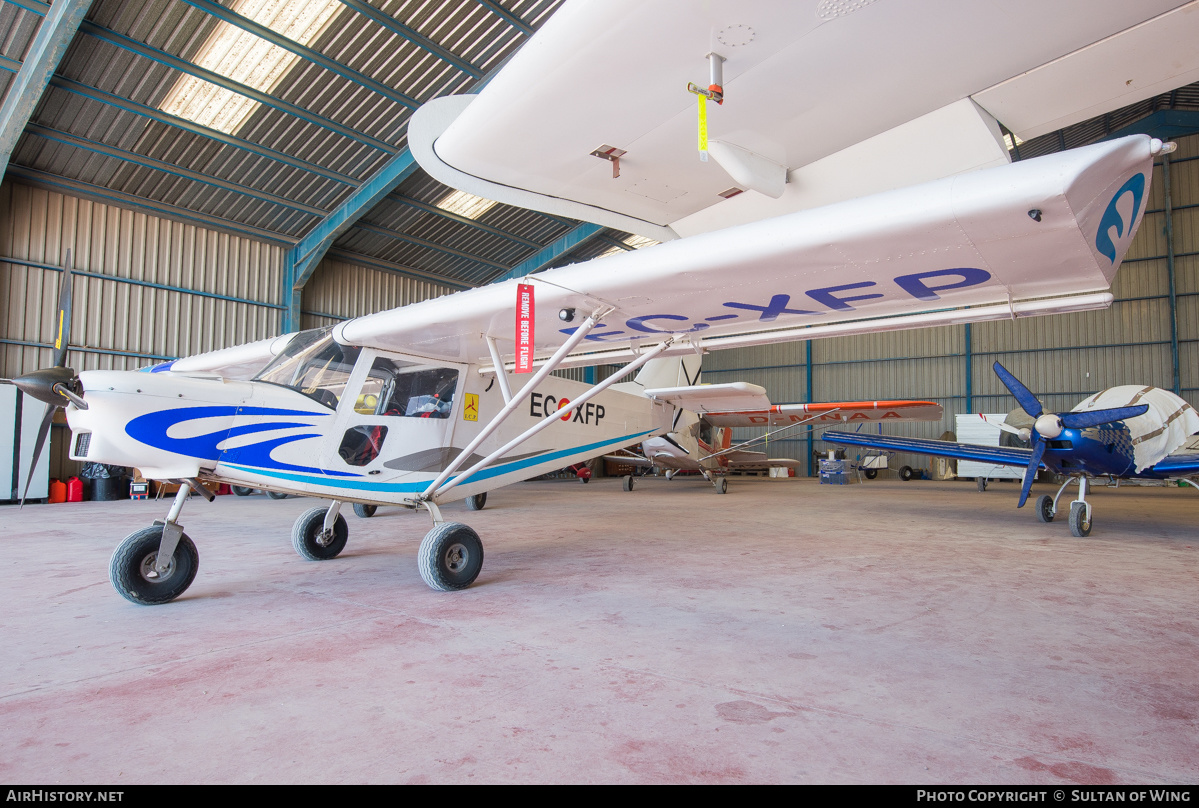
x: 151, y: 574
x: 456, y: 557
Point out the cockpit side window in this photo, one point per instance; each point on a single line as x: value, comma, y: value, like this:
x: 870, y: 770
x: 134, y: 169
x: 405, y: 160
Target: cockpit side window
x: 408, y: 390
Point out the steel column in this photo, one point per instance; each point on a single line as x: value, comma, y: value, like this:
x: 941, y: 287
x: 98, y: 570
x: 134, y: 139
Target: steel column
x: 303, y: 258
x: 1170, y: 274
x: 808, y: 374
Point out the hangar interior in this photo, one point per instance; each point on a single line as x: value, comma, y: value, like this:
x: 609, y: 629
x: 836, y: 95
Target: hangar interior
x: 233, y: 231
x: 215, y: 175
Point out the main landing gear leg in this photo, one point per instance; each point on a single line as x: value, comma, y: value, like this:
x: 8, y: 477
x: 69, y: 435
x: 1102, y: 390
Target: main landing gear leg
x: 157, y: 564
x: 1080, y: 511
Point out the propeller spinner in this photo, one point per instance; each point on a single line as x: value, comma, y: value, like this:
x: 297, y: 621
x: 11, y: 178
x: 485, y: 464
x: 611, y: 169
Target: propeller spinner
x: 1048, y: 426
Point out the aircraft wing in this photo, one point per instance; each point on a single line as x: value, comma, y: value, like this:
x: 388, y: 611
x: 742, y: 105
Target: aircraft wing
x: 703, y: 398
x: 238, y: 362
x: 1179, y: 464
x: 999, y: 455
x: 1039, y: 236
x: 929, y: 79
x: 827, y: 413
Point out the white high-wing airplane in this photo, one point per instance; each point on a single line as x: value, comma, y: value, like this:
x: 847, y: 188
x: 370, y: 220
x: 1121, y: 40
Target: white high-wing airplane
x: 418, y: 406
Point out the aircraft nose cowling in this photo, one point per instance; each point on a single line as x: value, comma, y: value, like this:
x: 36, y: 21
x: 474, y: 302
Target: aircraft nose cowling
x: 1048, y: 426
x: 168, y: 427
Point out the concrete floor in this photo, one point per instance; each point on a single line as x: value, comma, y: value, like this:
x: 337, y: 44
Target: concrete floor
x: 890, y: 632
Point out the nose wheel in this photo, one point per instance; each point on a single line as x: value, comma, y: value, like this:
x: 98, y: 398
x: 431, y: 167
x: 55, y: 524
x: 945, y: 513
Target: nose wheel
x: 138, y: 577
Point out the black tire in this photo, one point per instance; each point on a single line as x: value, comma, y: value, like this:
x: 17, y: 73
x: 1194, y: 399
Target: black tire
x: 584, y: 480
x: 450, y: 557
x: 131, y: 568
x: 476, y: 501
x: 870, y: 473
x: 722, y: 485
x: 1079, y: 525
x: 241, y: 490
x: 905, y: 473
x: 364, y: 511
x: 1045, y: 510
x: 982, y: 484
x: 307, y: 529
x: 276, y: 495
x: 628, y: 482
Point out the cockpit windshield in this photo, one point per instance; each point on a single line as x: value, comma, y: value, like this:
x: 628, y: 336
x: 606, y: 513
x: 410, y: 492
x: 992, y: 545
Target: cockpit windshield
x: 313, y: 364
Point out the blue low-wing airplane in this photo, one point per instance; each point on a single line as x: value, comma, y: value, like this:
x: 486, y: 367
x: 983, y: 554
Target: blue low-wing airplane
x: 1094, y: 439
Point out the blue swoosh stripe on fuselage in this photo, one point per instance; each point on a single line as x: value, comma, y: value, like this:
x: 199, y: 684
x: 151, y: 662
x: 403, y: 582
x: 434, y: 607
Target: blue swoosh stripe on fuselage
x: 400, y: 488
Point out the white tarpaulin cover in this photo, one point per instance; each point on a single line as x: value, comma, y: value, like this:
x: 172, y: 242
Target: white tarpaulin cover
x: 1157, y: 433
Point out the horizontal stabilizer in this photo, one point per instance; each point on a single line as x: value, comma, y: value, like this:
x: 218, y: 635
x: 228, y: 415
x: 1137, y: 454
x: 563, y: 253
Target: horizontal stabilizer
x: 703, y: 398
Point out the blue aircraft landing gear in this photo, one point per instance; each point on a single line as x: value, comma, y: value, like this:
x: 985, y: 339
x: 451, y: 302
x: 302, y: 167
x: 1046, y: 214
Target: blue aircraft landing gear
x: 1080, y: 509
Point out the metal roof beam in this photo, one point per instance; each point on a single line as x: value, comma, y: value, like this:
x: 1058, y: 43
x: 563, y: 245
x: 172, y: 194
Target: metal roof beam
x: 87, y: 91
x: 454, y: 217
x: 303, y: 258
x: 69, y: 139
x: 304, y: 52
x: 507, y: 16
x: 420, y: 40
x: 575, y: 237
x: 420, y: 242
x: 378, y: 263
x: 170, y: 60
x: 54, y: 36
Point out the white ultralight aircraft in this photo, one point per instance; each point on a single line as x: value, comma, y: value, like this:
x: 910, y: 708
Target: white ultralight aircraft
x: 418, y: 406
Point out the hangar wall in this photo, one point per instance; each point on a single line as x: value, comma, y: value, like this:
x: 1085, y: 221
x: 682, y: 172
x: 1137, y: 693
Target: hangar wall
x: 1062, y: 358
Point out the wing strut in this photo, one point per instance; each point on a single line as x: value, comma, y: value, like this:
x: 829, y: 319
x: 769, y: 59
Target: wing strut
x: 516, y: 401
x: 435, y: 490
x: 501, y: 372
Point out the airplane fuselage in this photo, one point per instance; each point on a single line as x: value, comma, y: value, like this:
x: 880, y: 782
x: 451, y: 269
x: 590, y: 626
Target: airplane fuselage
x: 263, y: 435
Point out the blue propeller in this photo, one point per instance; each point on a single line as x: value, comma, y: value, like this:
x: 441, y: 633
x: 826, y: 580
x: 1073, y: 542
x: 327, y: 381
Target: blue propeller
x: 1048, y: 426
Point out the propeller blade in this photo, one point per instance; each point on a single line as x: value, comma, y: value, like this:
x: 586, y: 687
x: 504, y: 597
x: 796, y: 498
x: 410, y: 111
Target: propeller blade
x: 38, y: 445
x: 1086, y: 418
x: 1030, y: 473
x: 1028, y: 402
x: 62, y: 318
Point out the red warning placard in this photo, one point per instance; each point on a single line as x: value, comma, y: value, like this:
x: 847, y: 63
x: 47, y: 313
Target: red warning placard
x: 524, y: 328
